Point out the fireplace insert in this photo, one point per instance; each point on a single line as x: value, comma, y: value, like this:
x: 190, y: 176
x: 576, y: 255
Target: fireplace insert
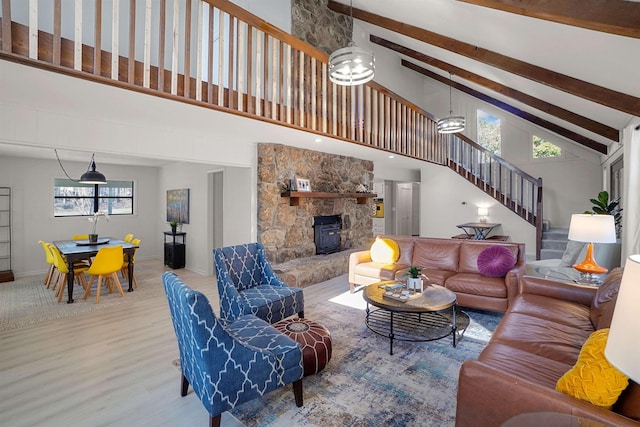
x: 326, y: 233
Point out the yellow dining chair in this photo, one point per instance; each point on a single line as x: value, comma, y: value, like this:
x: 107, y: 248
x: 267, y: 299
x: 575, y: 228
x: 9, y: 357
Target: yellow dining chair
x: 106, y: 265
x: 124, y: 271
x: 128, y: 238
x: 81, y: 237
x: 63, y: 270
x: 50, y: 260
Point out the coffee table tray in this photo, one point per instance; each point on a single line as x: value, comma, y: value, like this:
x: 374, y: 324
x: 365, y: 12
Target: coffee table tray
x: 402, y: 296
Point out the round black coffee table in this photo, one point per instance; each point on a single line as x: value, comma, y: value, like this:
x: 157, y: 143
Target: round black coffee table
x: 426, y: 316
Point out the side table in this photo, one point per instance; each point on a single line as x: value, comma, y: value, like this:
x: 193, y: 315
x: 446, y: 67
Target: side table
x: 174, y: 252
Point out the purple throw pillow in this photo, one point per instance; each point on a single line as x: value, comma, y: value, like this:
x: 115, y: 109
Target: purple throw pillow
x: 495, y: 261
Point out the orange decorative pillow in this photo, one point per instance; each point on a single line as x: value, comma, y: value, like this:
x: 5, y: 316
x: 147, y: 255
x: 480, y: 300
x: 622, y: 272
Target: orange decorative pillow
x: 385, y: 251
x: 593, y: 378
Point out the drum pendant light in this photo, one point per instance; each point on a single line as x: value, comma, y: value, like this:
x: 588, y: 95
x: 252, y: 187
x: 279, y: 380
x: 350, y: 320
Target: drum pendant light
x: 351, y: 66
x: 451, y: 124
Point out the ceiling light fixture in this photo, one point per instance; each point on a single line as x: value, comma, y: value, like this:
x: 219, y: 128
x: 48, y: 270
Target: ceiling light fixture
x: 91, y: 176
x: 351, y: 66
x: 451, y: 124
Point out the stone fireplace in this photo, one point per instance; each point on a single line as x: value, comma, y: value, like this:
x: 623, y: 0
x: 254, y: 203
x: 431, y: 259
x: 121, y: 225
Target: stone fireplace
x: 287, y: 232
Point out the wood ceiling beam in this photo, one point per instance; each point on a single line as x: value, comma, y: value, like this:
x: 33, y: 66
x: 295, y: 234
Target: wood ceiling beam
x: 566, y: 115
x: 580, y: 139
x: 608, y: 16
x: 601, y: 95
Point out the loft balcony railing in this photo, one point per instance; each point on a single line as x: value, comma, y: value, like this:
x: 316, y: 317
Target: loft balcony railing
x: 215, y: 54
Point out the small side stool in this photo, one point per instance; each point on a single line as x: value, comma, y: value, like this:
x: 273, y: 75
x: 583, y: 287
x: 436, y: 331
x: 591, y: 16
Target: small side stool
x: 314, y: 339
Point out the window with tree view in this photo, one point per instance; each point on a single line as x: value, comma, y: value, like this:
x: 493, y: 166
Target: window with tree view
x: 544, y: 149
x: 489, y: 132
x: 70, y: 198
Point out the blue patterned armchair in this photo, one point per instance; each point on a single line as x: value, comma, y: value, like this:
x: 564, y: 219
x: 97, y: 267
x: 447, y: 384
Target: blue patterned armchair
x: 228, y: 363
x: 248, y: 285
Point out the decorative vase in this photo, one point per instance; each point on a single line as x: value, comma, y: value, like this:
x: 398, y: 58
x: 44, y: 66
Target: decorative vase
x: 93, y: 238
x: 414, y: 284
x: 173, y: 229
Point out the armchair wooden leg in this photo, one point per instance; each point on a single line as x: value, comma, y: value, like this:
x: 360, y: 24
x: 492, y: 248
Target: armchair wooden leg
x: 301, y: 314
x: 297, y: 391
x: 184, y: 386
x: 215, y: 421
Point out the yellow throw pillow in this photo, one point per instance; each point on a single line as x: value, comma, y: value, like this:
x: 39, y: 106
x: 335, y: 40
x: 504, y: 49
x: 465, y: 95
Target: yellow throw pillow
x: 385, y: 251
x: 593, y: 378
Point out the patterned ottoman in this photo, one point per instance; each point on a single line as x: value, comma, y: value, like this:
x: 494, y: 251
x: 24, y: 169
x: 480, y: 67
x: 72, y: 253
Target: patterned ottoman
x: 314, y: 339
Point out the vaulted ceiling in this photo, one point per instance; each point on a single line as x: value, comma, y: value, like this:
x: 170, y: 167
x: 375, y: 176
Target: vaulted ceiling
x: 570, y: 66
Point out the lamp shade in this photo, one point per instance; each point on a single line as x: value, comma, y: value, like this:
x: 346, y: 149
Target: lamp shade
x: 623, y: 347
x: 93, y: 176
x: 592, y: 228
x: 351, y: 66
x: 483, y: 211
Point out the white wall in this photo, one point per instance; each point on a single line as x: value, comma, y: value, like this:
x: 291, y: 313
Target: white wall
x: 447, y: 199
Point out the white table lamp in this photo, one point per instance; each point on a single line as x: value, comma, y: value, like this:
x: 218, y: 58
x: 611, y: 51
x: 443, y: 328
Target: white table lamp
x: 592, y: 229
x: 482, y: 213
x: 623, y: 347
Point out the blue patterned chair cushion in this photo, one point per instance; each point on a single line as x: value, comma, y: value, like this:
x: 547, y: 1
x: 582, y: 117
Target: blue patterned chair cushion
x: 255, y: 332
x: 228, y: 363
x: 248, y: 285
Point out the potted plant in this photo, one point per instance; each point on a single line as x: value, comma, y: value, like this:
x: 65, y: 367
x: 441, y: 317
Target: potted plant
x: 603, y: 206
x: 174, y: 226
x: 414, y: 282
x: 93, y: 236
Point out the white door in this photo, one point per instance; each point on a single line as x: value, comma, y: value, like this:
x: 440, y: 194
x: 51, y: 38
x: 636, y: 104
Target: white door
x: 404, y: 204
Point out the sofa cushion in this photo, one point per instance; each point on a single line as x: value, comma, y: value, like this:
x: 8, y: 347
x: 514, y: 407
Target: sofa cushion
x: 476, y: 284
x: 523, y: 364
x: 405, y: 243
x: 604, y: 301
x: 437, y: 254
x: 378, y: 270
x: 495, y: 261
x: 556, y: 310
x: 470, y: 250
x: 438, y: 277
x: 543, y: 337
x: 593, y: 378
x: 385, y: 251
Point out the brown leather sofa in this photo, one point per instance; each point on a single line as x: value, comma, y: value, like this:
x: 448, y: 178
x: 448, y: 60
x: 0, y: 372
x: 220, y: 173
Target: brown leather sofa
x: 451, y: 263
x: 536, y: 342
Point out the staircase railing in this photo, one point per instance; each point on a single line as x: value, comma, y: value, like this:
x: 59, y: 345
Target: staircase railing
x: 512, y: 187
x: 217, y: 55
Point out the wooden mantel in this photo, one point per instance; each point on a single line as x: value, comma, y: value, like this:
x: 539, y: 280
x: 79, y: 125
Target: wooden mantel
x: 295, y: 196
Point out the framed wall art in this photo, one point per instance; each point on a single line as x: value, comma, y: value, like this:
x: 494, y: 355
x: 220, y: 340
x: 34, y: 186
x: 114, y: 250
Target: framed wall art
x: 302, y: 184
x: 178, y: 206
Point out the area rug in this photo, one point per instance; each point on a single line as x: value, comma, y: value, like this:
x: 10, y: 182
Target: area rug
x: 365, y: 386
x: 25, y: 303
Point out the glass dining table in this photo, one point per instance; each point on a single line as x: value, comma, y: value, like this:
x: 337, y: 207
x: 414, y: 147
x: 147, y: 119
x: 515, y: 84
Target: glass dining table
x: 75, y: 250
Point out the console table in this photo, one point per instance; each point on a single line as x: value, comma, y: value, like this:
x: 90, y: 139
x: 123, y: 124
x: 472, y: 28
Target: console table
x: 174, y: 252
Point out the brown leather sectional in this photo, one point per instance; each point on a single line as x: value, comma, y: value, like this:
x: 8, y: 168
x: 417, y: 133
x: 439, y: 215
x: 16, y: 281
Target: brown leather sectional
x: 536, y: 342
x: 451, y: 263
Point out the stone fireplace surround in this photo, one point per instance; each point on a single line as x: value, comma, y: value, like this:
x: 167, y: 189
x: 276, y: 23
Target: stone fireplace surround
x: 287, y: 231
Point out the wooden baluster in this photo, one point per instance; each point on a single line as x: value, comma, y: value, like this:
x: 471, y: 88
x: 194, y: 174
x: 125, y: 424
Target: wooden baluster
x: 162, y: 26
x: 57, y: 38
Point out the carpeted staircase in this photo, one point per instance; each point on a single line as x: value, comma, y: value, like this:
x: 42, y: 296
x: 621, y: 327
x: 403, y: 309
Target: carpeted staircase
x: 554, y: 243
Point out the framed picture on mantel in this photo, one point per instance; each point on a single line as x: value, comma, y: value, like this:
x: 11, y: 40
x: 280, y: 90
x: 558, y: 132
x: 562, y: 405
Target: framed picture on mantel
x: 178, y: 206
x: 302, y: 184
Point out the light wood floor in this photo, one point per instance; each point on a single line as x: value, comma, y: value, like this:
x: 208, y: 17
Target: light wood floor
x: 109, y: 367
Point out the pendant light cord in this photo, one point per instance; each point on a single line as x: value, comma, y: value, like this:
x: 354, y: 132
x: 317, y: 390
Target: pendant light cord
x: 351, y: 15
x: 450, y: 101
x: 63, y: 169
